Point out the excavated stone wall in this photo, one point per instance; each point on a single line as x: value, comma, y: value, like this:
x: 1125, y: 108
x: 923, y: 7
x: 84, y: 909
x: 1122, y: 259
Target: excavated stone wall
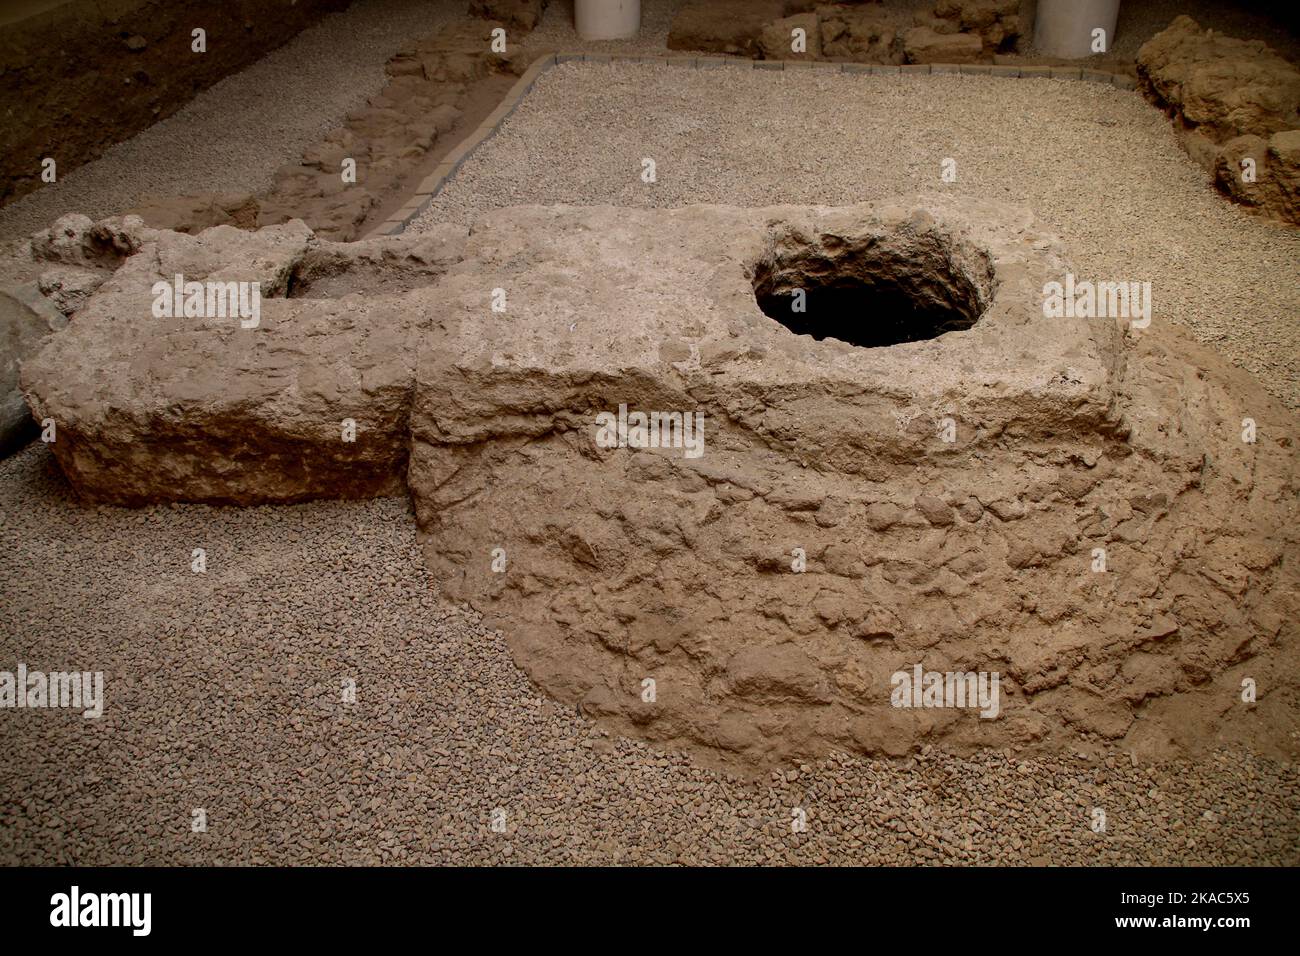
x: 1237, y: 106
x: 607, y: 568
x: 952, y: 31
x: 838, y: 514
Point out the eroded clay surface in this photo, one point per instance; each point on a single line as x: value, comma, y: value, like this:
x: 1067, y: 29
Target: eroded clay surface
x: 624, y: 564
x: 948, y: 497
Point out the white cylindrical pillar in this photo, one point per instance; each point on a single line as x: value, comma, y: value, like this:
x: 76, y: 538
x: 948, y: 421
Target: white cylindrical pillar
x: 607, y: 19
x: 1065, y: 27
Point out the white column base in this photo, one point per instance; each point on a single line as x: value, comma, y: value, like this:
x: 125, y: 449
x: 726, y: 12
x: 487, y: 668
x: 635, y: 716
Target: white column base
x: 607, y: 19
x: 1065, y: 28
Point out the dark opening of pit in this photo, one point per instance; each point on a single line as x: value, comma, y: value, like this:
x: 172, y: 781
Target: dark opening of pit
x: 872, y: 291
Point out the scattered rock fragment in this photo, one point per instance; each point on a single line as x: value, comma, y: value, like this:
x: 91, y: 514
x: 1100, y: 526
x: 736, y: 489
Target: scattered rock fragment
x: 196, y: 212
x: 778, y: 39
x: 522, y: 14
x: 1219, y: 85
x: 1237, y: 107
x: 924, y: 45
x: 1264, y: 174
x: 859, y: 35
x: 27, y: 319
x: 997, y: 23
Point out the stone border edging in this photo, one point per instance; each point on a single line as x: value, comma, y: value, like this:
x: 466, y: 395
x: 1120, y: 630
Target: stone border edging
x: 432, y: 184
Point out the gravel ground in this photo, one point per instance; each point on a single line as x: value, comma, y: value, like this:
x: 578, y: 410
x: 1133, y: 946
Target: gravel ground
x: 223, y: 693
x: 234, y: 135
x: 1099, y: 165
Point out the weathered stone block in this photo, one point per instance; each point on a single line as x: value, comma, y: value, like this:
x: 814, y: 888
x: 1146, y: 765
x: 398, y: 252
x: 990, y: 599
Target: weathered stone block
x: 202, y: 408
x: 923, y: 45
x: 1222, y: 86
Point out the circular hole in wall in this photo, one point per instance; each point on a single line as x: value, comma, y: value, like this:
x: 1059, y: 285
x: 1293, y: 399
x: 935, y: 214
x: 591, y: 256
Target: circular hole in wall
x: 873, y: 291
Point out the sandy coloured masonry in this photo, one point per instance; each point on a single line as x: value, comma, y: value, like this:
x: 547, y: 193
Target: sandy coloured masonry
x: 1079, y: 444
x: 1069, y: 504
x: 432, y: 184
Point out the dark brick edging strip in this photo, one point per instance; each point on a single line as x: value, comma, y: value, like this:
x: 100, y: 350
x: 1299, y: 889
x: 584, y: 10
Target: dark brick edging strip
x: 433, y: 183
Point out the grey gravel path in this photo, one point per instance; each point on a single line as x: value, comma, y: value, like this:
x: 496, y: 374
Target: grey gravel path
x: 224, y: 693
x: 235, y: 134
x: 1098, y: 164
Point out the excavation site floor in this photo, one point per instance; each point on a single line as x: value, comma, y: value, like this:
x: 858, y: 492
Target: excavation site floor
x: 223, y: 689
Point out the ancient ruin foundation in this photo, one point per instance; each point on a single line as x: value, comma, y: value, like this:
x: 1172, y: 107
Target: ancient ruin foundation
x: 936, y: 474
